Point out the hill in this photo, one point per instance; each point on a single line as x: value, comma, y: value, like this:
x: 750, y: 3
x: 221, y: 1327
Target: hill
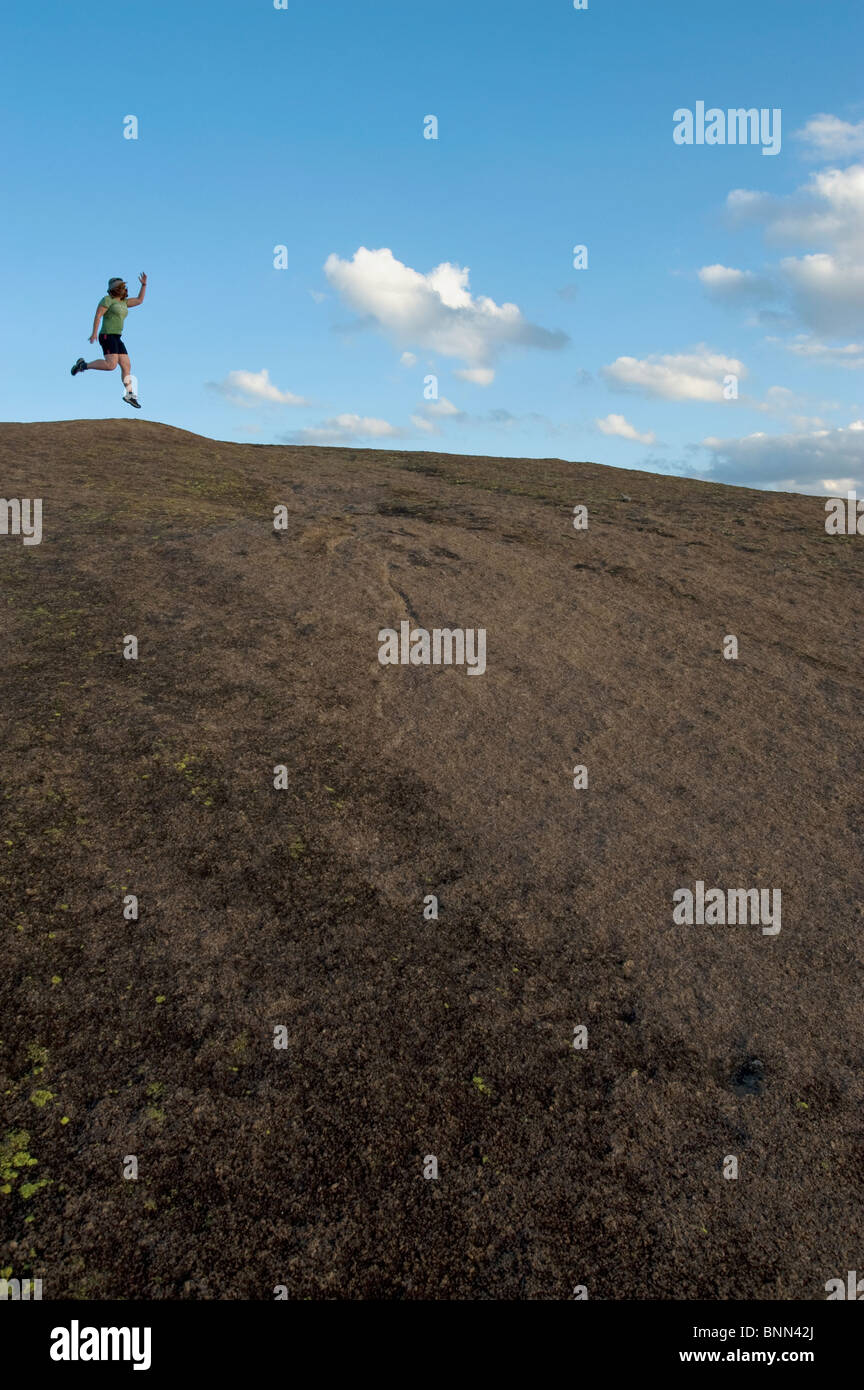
x: 301, y: 908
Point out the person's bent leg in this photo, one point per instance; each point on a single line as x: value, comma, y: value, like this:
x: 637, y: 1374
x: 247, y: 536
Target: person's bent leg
x: 131, y: 397
x: 106, y: 364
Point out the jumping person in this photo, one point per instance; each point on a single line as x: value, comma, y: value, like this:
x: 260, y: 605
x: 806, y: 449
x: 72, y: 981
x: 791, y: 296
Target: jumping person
x: 111, y: 310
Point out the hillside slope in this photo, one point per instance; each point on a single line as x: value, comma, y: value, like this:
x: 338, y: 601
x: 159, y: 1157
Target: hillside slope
x: 303, y: 907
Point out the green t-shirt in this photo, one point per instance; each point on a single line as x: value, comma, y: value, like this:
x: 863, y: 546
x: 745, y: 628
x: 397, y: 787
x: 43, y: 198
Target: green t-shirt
x: 115, y: 312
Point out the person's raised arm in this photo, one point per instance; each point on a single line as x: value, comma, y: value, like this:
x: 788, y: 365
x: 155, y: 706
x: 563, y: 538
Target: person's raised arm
x: 130, y: 303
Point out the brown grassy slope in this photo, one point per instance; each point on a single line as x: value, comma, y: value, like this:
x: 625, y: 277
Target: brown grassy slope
x: 303, y: 907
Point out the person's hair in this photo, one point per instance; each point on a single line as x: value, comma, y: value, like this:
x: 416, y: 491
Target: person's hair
x: 116, y: 292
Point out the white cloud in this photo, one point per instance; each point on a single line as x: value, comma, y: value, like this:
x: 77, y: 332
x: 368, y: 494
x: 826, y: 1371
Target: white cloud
x: 825, y: 285
x: 721, y: 276
x: 829, y: 137
x: 253, y: 388
x: 839, y: 484
x: 617, y: 425
x: 694, y: 376
x: 849, y: 355
x: 479, y: 376
x: 408, y: 359
x: 729, y: 286
x: 431, y: 415
x: 778, y: 398
x: 828, y: 208
x: 344, y: 429
x: 435, y: 311
x: 787, y: 405
x: 809, y: 461
x: 432, y: 411
x: 442, y: 407
x: 828, y: 291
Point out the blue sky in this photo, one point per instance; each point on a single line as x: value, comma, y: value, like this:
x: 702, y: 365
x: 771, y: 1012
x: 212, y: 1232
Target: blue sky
x: 303, y: 127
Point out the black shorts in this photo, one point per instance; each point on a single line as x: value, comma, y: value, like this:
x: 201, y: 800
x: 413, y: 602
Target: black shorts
x: 111, y: 343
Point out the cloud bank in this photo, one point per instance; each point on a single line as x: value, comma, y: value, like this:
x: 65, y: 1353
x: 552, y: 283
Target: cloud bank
x: 818, y: 461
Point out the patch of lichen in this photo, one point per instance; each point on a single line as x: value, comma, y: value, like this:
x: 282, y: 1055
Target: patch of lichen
x: 15, y: 1160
